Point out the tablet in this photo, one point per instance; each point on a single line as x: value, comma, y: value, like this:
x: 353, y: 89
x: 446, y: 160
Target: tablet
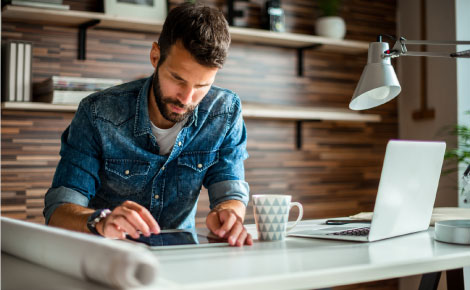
x: 175, y: 239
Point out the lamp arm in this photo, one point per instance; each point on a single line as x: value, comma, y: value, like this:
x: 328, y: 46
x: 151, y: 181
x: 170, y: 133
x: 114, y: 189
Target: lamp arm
x: 435, y: 42
x: 399, y: 49
x: 464, y: 54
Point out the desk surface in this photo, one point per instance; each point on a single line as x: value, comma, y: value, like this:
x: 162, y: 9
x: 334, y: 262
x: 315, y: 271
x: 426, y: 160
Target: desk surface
x: 294, y: 264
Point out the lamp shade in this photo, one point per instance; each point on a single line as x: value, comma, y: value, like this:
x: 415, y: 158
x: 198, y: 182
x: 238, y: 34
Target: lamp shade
x: 378, y: 83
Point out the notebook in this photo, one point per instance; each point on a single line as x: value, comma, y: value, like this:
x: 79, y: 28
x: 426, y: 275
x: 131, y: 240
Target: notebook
x: 405, y: 198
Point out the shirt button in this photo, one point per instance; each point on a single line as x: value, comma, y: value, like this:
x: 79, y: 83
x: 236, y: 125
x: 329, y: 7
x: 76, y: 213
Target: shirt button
x: 157, y: 196
x: 163, y: 167
x: 179, y: 143
x: 199, y: 165
x: 127, y: 172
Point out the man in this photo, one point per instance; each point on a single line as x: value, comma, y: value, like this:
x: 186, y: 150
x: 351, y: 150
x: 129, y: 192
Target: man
x: 135, y: 156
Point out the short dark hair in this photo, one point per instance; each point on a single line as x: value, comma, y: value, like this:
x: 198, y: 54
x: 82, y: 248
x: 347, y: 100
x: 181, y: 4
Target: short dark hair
x: 202, y: 30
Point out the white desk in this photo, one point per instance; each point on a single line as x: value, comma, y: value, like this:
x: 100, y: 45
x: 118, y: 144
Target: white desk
x: 297, y: 263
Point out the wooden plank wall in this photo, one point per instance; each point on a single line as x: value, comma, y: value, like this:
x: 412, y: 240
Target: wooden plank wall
x: 335, y: 173
x: 30, y: 147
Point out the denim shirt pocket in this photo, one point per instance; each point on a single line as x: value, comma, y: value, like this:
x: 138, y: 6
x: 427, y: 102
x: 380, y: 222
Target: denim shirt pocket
x: 126, y: 176
x: 192, y: 167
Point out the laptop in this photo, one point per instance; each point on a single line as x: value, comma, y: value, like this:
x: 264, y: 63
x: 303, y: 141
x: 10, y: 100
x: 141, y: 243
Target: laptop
x: 405, y: 199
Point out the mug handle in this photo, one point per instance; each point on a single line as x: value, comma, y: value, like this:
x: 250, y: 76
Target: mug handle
x: 301, y: 213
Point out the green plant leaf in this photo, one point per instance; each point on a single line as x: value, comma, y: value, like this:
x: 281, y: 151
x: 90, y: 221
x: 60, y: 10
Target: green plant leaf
x: 461, y: 154
x: 329, y: 7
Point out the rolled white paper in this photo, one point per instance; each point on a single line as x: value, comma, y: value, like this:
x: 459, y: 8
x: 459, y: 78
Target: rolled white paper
x: 85, y: 256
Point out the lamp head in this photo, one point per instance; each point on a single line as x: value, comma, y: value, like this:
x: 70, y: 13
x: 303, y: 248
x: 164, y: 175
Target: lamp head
x: 378, y: 83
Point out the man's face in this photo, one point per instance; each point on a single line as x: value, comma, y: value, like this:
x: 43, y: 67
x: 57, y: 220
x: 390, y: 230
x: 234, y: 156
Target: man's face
x: 180, y: 83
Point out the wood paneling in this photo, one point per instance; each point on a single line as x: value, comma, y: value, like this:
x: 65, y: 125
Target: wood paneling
x: 30, y: 152
x: 336, y: 172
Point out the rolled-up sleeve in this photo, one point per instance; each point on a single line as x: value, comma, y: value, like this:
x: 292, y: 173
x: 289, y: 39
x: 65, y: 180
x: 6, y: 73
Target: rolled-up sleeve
x: 225, y: 180
x: 76, y: 178
x: 228, y: 190
x: 60, y: 195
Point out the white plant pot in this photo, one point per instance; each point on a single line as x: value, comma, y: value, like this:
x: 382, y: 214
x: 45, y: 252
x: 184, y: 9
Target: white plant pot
x: 331, y: 26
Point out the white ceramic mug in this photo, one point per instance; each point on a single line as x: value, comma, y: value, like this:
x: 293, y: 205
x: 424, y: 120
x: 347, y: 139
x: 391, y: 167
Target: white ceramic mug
x: 271, y: 215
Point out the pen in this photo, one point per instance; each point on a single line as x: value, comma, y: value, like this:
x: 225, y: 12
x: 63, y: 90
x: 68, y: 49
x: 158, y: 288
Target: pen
x: 342, y: 222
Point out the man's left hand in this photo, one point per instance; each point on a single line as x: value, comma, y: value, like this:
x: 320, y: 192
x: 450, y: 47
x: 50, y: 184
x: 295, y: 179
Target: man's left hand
x: 225, y: 222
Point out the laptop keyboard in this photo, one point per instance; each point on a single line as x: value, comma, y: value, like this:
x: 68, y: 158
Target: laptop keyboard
x: 354, y: 232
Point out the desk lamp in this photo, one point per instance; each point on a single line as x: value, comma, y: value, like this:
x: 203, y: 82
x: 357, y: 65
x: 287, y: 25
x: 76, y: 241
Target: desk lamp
x: 379, y: 84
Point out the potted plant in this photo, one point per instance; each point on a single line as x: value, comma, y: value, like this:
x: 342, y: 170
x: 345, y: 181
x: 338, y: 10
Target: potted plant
x: 329, y: 24
x: 462, y: 156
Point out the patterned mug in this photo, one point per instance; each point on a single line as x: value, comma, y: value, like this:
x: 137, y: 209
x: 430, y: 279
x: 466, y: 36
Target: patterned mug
x: 271, y: 215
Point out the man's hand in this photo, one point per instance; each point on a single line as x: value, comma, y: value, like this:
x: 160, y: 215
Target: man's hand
x: 226, y: 222
x: 129, y: 218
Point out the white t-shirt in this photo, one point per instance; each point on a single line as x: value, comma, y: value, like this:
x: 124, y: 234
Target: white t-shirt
x: 166, y: 137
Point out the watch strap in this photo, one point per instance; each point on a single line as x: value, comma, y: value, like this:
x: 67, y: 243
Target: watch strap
x: 95, y: 218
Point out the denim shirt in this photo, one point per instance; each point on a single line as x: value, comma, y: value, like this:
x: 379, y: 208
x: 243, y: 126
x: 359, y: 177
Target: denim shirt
x: 109, y: 155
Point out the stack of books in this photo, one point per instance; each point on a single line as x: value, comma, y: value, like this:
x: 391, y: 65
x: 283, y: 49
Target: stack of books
x: 16, y: 71
x: 69, y: 90
x: 50, y: 4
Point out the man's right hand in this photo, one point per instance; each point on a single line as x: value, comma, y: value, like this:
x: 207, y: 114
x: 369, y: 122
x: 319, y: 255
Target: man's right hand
x: 129, y: 218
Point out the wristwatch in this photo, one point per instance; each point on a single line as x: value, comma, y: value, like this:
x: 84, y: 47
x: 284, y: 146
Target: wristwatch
x: 95, y: 218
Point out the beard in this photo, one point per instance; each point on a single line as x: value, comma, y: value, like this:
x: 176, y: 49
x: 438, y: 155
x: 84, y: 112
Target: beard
x: 163, y: 103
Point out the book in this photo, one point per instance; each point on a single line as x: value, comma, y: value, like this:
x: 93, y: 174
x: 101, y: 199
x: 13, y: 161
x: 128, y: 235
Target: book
x: 63, y: 97
x: 69, y: 90
x: 60, y: 2
x: 20, y: 72
x: 73, y: 84
x: 27, y: 72
x: 40, y: 4
x: 9, y: 71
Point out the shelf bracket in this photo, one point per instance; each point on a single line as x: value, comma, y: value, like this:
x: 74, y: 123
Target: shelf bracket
x: 82, y: 29
x: 232, y: 13
x: 300, y: 58
x: 298, y: 133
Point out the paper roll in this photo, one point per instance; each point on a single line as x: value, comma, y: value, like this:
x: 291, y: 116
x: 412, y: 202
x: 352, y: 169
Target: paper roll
x: 85, y: 256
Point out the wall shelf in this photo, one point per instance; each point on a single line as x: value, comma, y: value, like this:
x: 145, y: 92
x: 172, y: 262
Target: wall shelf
x: 278, y: 112
x: 76, y: 18
x: 72, y: 18
x: 37, y: 106
x: 304, y: 114
x: 250, y: 110
x: 80, y: 19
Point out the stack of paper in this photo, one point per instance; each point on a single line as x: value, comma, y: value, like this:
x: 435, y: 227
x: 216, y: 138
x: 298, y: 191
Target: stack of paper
x: 438, y: 214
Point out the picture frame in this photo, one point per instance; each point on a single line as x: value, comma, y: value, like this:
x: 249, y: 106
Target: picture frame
x: 140, y: 9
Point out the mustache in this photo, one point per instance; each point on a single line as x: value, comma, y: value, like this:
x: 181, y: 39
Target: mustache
x: 175, y: 103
